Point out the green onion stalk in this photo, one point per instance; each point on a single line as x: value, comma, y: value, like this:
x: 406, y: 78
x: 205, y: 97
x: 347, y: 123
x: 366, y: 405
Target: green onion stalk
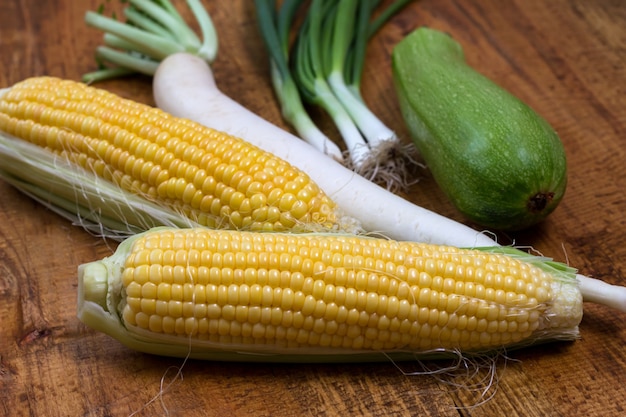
x: 274, y: 26
x: 310, y: 73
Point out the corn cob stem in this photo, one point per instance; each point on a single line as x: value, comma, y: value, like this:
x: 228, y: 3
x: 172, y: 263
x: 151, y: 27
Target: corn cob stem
x: 308, y: 297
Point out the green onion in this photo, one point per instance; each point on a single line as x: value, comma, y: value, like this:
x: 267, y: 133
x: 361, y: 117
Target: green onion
x: 342, y: 38
x: 326, y: 63
x: 311, y: 76
x: 274, y: 28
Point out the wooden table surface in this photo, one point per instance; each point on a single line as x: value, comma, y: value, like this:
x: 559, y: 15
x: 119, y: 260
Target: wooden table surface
x: 566, y: 58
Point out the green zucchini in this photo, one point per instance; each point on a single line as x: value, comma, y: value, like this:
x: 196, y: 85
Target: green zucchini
x: 500, y: 163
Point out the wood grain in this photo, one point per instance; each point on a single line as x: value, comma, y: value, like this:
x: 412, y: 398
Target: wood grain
x: 566, y: 58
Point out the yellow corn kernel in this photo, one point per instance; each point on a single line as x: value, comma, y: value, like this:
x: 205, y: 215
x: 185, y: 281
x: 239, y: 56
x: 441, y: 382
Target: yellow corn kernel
x: 264, y: 281
x: 213, y: 178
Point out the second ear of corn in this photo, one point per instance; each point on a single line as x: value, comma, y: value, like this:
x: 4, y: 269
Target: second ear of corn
x: 232, y: 295
x: 207, y: 177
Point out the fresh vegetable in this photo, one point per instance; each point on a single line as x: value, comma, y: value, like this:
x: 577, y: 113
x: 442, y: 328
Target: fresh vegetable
x: 152, y: 31
x: 275, y: 30
x: 184, y: 86
x: 500, y: 163
x: 327, y: 60
x: 246, y: 296
x: 211, y: 178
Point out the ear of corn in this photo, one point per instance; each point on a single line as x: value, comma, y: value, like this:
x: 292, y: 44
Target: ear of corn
x: 195, y: 175
x: 231, y: 295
